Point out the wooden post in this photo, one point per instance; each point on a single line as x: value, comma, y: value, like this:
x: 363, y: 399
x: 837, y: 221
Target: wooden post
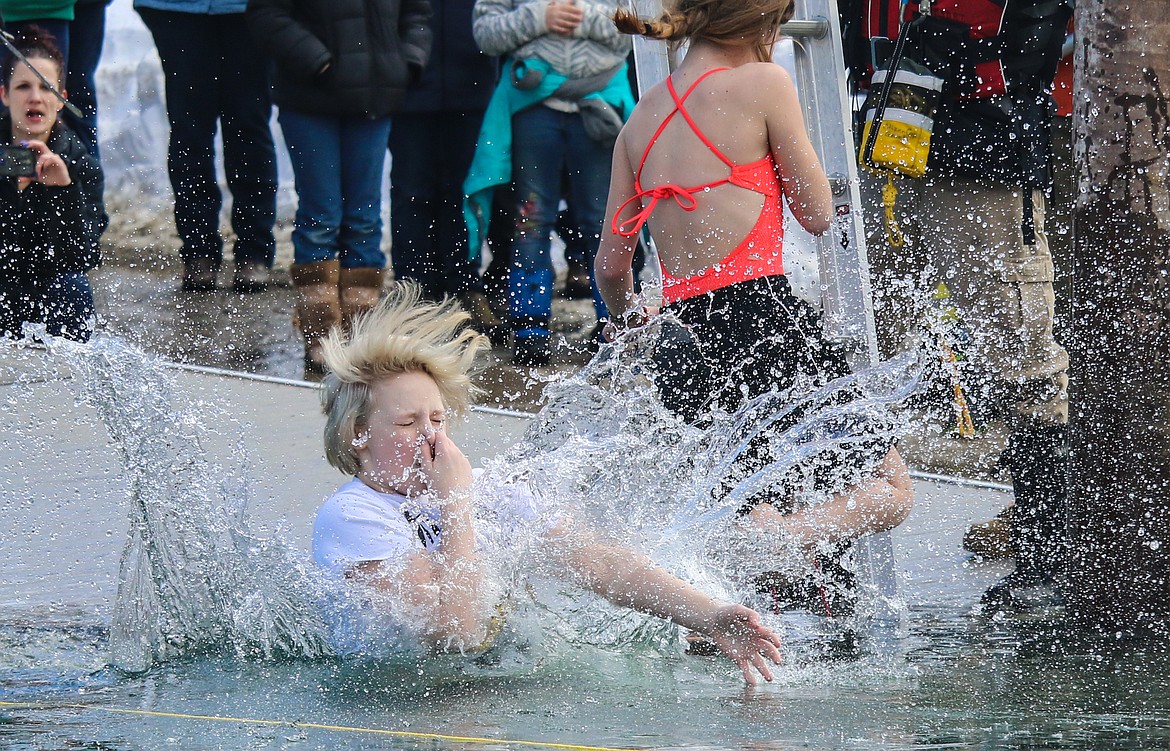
x: 1119, y: 500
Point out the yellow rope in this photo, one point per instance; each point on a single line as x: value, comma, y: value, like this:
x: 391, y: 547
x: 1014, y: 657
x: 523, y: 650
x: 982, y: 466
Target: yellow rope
x: 889, y: 196
x: 964, y: 424
x: 311, y: 726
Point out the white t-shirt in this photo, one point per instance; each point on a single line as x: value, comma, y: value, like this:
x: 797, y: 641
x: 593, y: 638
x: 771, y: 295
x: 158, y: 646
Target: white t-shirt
x: 357, y: 523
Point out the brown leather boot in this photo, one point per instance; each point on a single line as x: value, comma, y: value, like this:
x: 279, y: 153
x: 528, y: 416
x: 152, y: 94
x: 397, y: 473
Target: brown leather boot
x: 199, y: 275
x: 360, y: 291
x: 992, y: 539
x: 318, y: 308
x: 483, y: 318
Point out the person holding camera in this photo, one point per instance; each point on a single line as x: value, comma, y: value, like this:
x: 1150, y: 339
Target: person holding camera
x: 51, y: 211
x: 342, y: 67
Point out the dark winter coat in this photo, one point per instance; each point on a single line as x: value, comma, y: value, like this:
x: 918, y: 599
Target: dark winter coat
x: 1002, y: 137
x: 458, y: 78
x: 374, y: 50
x: 45, y: 230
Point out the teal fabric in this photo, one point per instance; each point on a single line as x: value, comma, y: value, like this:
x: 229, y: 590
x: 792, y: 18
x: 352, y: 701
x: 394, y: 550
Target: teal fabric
x: 202, y: 7
x: 492, y: 164
x: 16, y: 11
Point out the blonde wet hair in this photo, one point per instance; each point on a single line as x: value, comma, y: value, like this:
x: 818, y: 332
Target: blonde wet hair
x: 731, y: 22
x: 402, y: 334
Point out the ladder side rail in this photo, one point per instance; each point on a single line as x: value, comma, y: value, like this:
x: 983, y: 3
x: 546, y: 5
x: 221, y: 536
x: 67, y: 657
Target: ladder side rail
x: 844, y: 269
x: 653, y: 62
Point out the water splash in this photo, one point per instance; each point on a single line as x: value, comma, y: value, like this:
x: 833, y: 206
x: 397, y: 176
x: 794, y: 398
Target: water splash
x: 605, y: 450
x: 193, y: 576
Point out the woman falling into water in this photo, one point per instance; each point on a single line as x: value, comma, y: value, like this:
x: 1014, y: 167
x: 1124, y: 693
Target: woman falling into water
x: 407, y: 525
x: 707, y: 157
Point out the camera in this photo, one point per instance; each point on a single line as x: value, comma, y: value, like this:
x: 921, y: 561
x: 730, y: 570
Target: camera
x: 17, y: 161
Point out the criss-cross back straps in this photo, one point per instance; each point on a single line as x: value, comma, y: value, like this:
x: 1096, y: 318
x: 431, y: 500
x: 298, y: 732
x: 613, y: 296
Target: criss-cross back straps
x: 678, y: 107
x: 683, y: 196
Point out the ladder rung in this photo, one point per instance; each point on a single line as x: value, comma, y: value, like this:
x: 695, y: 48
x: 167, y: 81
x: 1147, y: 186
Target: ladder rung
x: 815, y: 29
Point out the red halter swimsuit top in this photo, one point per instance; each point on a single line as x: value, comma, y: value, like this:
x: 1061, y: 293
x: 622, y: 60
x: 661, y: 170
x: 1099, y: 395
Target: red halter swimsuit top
x: 758, y: 255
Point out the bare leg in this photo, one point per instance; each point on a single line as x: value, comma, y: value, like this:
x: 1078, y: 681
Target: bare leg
x: 875, y: 505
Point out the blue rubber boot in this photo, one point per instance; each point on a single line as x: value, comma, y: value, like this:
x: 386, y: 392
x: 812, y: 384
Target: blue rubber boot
x: 531, y: 311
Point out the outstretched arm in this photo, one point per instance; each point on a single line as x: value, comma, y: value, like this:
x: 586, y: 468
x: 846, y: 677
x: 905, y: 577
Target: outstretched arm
x: 628, y: 578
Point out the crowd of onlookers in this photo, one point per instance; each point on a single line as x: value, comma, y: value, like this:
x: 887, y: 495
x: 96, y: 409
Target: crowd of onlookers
x: 351, y: 81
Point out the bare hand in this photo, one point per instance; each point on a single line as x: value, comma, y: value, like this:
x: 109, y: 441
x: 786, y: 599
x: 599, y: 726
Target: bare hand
x: 746, y: 641
x: 447, y: 470
x: 51, y: 169
x: 631, y: 319
x: 563, y: 17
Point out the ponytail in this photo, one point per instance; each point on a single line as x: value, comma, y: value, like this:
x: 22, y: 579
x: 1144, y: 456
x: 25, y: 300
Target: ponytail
x: 669, y: 27
x: 721, y: 21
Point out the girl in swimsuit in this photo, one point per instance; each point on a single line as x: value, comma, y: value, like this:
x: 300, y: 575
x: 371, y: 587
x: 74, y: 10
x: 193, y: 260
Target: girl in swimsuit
x: 707, y: 157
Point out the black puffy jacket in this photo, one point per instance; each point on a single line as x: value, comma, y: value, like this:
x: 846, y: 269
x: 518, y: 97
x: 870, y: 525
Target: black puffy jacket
x: 47, y: 230
x: 374, y: 49
x: 458, y: 78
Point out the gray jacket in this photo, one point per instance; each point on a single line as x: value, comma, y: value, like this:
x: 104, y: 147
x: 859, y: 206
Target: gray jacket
x: 517, y: 28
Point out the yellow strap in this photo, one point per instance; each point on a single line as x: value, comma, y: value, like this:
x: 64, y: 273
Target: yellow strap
x: 963, y: 422
x: 889, y: 196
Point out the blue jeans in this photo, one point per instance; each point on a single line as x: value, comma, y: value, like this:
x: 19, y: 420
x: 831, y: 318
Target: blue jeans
x: 430, y: 155
x: 337, y: 164
x: 63, y: 303
x: 215, y: 73
x: 546, y: 145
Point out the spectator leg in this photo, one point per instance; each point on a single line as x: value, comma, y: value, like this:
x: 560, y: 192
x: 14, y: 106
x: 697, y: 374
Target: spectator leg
x: 459, y: 272
x: 86, y: 35
x: 363, y: 264
x: 249, y: 155
x: 538, y: 158
x: 68, y: 306
x: 416, y: 148
x: 589, y: 165
x: 189, y: 50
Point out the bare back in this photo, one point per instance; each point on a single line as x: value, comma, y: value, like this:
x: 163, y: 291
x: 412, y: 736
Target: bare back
x: 746, y: 112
